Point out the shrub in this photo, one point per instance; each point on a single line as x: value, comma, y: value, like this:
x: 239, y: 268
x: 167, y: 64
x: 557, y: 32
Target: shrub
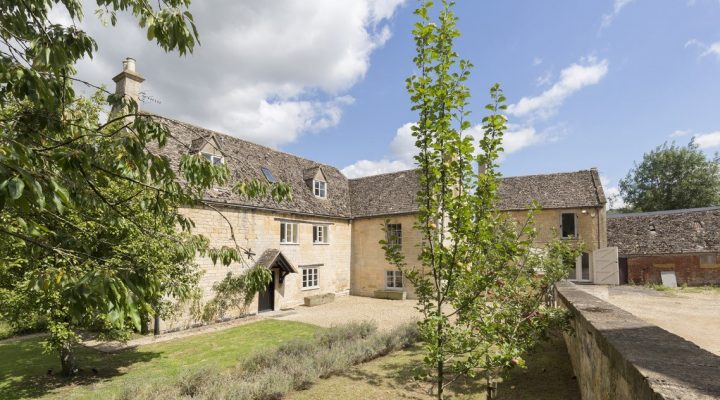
x: 292, y: 366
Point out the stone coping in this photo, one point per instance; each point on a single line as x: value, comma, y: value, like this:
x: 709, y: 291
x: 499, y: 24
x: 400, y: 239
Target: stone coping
x: 646, y: 355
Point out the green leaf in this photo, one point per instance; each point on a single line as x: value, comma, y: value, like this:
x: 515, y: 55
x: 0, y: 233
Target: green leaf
x: 15, y: 187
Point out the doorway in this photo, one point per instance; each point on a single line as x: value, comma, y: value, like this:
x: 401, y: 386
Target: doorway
x: 266, y: 298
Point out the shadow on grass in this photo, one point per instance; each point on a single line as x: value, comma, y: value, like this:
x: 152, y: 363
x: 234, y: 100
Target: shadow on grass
x: 548, y: 376
x: 27, y: 372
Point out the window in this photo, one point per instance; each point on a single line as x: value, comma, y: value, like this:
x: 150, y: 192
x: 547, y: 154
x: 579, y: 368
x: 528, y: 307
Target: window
x: 268, y: 174
x: 320, y: 234
x: 320, y: 189
x: 310, y: 278
x: 567, y: 225
x: 393, y: 234
x: 393, y: 280
x: 214, y: 160
x: 288, y: 232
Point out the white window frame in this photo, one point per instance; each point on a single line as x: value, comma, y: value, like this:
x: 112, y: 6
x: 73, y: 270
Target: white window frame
x: 310, y: 278
x: 214, y: 159
x: 396, y: 239
x: 321, y: 234
x: 288, y: 233
x: 320, y: 189
x: 575, y: 233
x: 391, y: 280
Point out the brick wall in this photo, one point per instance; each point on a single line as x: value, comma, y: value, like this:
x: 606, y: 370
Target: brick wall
x: 690, y: 269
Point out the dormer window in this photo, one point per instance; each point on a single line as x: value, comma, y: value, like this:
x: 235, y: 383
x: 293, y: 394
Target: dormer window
x: 320, y: 189
x: 214, y: 160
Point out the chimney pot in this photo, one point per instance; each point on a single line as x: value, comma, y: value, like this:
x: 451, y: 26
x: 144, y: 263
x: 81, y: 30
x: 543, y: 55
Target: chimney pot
x: 129, y: 64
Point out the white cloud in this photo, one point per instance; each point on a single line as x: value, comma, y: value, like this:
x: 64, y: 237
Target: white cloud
x: 268, y: 71
x: 544, y: 79
x: 612, y: 194
x: 707, y: 49
x: 537, y: 61
x: 618, y: 6
x: 401, y: 157
x: 680, y: 133
x: 707, y: 140
x: 712, y: 49
x: 589, y: 71
x: 403, y: 150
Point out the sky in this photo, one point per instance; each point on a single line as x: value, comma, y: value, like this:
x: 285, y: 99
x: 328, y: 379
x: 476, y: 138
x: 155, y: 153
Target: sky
x: 589, y: 83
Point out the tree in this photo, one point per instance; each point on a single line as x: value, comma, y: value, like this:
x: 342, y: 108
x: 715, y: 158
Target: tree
x: 672, y: 177
x: 91, y: 233
x: 481, y: 287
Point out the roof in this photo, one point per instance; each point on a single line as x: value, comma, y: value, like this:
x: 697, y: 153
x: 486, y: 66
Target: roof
x: 245, y: 160
x: 395, y: 193
x: 560, y: 190
x: 275, y: 258
x: 666, y: 232
x: 385, y: 194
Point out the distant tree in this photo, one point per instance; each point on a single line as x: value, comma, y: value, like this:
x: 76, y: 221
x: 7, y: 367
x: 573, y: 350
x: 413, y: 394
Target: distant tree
x: 88, y: 214
x: 672, y: 177
x: 481, y: 286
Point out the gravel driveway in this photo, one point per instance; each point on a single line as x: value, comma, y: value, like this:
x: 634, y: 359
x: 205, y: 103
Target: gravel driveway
x: 386, y: 313
x: 693, y: 314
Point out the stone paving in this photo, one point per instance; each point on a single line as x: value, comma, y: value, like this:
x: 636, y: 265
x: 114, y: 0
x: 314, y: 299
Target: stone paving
x: 387, y: 314
x: 693, y: 315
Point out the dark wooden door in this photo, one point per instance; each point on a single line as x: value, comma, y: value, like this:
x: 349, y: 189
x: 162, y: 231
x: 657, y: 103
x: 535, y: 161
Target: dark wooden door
x: 266, y: 299
x: 623, y: 266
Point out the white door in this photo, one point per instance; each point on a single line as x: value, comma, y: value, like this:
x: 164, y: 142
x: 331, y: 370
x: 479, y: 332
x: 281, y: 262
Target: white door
x: 605, y: 266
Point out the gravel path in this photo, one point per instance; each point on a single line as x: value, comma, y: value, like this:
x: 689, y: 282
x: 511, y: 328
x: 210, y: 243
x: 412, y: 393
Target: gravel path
x: 386, y: 313
x: 693, y: 315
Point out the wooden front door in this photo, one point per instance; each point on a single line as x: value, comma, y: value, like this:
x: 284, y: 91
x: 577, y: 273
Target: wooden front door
x: 266, y: 299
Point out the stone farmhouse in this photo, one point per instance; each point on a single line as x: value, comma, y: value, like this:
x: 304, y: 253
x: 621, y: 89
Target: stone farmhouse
x: 684, y: 243
x: 325, y: 240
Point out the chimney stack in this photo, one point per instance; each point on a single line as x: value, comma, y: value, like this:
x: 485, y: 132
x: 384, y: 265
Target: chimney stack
x: 127, y: 82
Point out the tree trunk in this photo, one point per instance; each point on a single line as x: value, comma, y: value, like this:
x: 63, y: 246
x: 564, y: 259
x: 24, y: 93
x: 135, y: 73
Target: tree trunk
x: 144, y: 323
x: 67, y: 360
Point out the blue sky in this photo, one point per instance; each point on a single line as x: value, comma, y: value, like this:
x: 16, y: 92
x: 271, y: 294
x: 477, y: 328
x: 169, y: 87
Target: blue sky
x: 657, y: 82
x: 589, y: 83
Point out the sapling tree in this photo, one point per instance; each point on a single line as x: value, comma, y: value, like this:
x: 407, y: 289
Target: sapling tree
x: 481, y: 286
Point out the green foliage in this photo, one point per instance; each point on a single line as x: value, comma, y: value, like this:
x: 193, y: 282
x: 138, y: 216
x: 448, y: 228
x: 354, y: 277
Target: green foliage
x: 672, y: 177
x: 236, y: 291
x: 89, y: 213
x: 482, y: 287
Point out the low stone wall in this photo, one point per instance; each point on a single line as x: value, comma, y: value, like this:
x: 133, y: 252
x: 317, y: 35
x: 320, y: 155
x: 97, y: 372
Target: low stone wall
x: 615, y: 355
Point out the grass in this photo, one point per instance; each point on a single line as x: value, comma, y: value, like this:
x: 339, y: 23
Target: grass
x: 549, y: 376
x: 23, y: 366
x: 294, y: 365
x: 709, y: 289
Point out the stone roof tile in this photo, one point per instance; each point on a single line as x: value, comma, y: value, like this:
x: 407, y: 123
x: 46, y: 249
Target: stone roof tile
x: 665, y: 232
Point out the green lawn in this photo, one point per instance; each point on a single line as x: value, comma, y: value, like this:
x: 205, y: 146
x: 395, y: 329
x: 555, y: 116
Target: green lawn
x: 23, y: 366
x: 549, y: 376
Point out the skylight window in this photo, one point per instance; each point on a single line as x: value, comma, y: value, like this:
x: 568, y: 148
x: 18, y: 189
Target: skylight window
x: 268, y: 175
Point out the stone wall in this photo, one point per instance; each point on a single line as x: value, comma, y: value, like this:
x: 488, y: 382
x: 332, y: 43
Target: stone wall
x: 368, y: 258
x: 260, y: 230
x: 616, y: 355
x: 690, y: 269
x: 591, y: 229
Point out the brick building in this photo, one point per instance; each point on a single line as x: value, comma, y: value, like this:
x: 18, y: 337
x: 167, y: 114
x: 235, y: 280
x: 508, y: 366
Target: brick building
x: 684, y: 241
